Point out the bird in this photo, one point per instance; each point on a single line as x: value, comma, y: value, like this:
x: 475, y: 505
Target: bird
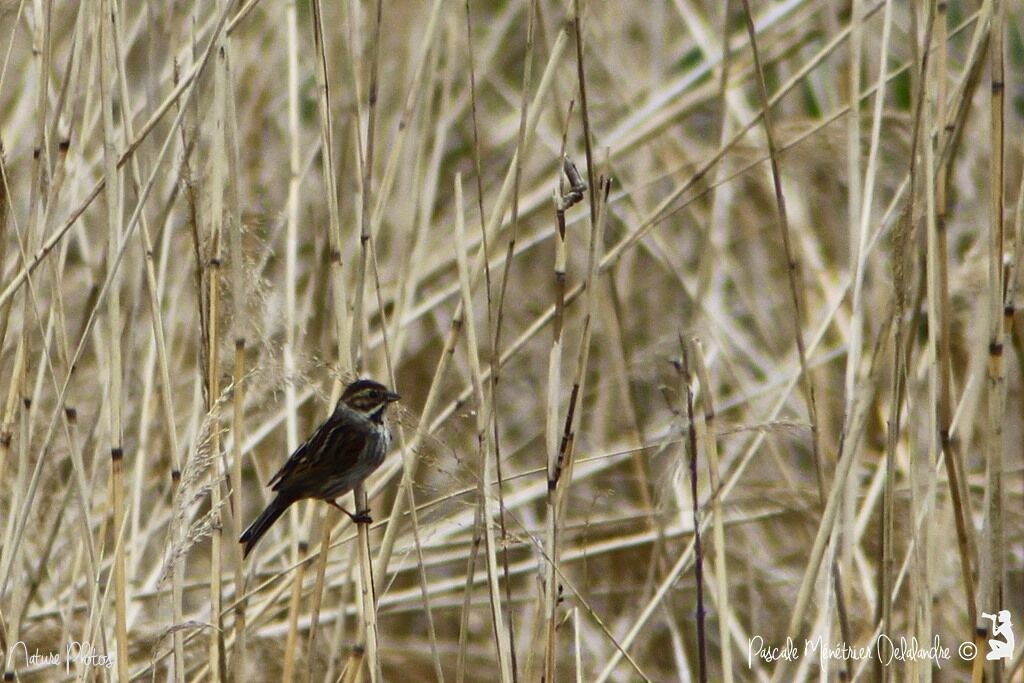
x: 337, y: 457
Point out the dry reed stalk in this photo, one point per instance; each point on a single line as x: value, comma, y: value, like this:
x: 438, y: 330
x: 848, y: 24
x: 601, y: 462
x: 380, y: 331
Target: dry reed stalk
x: 485, y: 447
x: 365, y: 155
x: 707, y: 429
x: 291, y: 643
x: 238, y: 335
x: 690, y: 446
x: 367, y: 592
x: 105, y: 37
x: 291, y: 321
x: 993, y: 577
x: 552, y: 421
x: 954, y: 466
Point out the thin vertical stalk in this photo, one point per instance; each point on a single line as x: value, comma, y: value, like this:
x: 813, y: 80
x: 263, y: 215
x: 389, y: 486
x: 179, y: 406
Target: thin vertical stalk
x: 114, y: 231
x: 330, y: 185
x: 368, y: 599
x: 708, y: 430
x: 690, y: 447
x: 484, y: 443
x: 366, y: 150
x: 950, y: 448
x: 238, y: 334
x: 551, y: 435
x: 992, y: 593
x: 218, y: 182
x: 291, y: 643
x: 291, y: 277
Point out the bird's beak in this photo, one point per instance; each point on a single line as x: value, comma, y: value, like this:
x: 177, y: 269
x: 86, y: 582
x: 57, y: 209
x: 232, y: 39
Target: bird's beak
x: 391, y: 397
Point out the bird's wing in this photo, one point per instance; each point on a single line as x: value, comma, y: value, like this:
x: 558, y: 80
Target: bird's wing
x: 335, y: 446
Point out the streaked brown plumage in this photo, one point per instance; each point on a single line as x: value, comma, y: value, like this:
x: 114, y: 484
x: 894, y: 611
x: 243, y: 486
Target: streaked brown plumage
x: 340, y: 454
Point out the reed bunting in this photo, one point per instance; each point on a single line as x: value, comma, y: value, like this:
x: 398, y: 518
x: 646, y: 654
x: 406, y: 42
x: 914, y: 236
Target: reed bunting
x: 340, y: 454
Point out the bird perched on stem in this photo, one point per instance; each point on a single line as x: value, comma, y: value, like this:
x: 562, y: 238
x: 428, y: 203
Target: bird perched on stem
x: 341, y: 453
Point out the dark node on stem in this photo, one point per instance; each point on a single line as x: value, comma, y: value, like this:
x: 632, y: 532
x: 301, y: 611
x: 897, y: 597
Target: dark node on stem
x: 8, y: 675
x: 27, y: 402
x: 552, y: 483
x: 995, y: 349
x: 303, y: 547
x: 71, y: 414
x: 215, y: 262
x: 35, y: 152
x: 1009, y: 310
x: 64, y: 145
x: 981, y: 630
x: 175, y: 476
x: 997, y: 86
x: 5, y: 439
x: 359, y: 650
x: 117, y: 454
x: 335, y: 256
x: 239, y: 343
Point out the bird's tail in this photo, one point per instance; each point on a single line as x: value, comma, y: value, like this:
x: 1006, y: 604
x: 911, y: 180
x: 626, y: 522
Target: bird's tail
x: 262, y: 523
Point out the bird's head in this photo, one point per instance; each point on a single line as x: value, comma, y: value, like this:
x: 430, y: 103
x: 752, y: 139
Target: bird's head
x: 368, y: 397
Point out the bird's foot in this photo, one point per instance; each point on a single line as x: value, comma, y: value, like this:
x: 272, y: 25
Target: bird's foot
x: 361, y: 517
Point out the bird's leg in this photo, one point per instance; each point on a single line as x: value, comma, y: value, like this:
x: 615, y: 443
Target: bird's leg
x: 361, y: 517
